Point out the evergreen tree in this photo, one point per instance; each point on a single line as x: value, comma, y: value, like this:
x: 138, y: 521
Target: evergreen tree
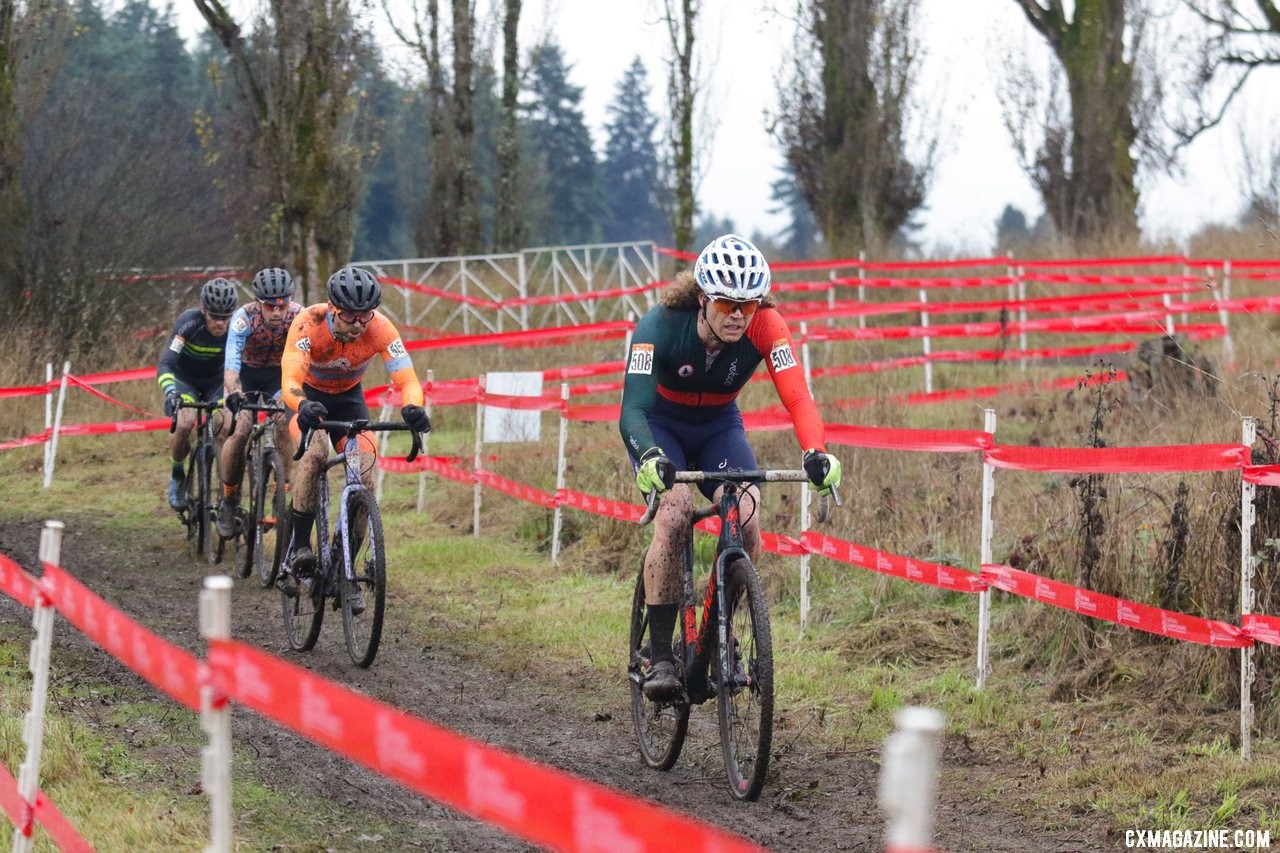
x: 396, y: 171
x: 801, y: 232
x: 566, y: 206
x: 632, y: 188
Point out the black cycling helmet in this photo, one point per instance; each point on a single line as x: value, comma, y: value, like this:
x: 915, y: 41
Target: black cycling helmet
x: 218, y: 297
x: 272, y: 283
x: 354, y: 289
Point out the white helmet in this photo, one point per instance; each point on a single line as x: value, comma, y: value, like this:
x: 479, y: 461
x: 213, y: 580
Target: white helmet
x: 731, y: 268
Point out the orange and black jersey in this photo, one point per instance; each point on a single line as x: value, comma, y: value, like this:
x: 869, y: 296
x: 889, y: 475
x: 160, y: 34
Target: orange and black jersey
x: 668, y: 365
x: 314, y: 357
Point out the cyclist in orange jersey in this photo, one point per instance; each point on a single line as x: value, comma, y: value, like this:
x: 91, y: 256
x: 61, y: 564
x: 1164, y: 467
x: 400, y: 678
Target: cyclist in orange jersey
x: 325, y: 356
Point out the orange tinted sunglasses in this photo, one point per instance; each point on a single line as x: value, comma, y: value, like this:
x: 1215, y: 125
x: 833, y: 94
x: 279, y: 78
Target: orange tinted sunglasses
x: 728, y: 306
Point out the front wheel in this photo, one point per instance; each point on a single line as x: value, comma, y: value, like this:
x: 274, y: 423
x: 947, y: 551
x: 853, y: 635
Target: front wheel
x: 660, y: 726
x: 745, y: 682
x: 364, y: 594
x: 269, y: 509
x: 212, y: 476
x: 193, y: 514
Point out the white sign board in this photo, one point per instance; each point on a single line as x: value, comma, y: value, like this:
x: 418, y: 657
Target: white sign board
x: 509, y: 425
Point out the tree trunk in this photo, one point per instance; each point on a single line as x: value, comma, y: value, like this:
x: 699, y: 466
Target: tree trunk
x: 12, y: 208
x: 1087, y: 180
x: 464, y: 196
x: 508, y: 230
x: 681, y: 95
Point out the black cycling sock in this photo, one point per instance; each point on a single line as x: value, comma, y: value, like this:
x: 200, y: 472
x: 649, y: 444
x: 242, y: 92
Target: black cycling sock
x: 302, y: 524
x: 662, y: 621
x: 175, y: 470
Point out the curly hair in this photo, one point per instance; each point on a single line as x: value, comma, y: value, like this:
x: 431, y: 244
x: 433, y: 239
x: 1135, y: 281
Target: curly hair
x: 682, y: 293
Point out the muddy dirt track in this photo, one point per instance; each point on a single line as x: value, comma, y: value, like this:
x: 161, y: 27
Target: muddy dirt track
x: 817, y: 799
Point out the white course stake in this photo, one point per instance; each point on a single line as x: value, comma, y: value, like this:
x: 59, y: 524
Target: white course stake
x: 1247, y: 492
x: 215, y: 718
x: 426, y: 443
x: 57, y: 425
x: 48, y: 411
x: 908, y: 780
x: 42, y: 614
x: 475, y: 466
x: 988, y: 526
x: 560, y: 481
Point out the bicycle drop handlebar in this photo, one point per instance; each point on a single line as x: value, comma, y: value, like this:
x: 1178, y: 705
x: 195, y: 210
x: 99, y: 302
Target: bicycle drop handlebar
x: 750, y: 478
x: 267, y: 408
x: 185, y: 404
x: 350, y: 428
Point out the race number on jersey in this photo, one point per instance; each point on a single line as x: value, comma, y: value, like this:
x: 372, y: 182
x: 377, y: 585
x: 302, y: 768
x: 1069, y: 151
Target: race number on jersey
x: 781, y: 356
x: 304, y: 344
x: 396, y: 348
x: 177, y: 343
x: 641, y: 359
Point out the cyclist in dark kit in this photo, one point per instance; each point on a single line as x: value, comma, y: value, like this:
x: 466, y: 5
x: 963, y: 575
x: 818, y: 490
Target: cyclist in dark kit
x: 690, y: 357
x: 190, y: 370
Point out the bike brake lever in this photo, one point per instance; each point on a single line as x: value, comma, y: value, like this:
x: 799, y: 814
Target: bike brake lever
x: 417, y: 446
x: 302, y: 445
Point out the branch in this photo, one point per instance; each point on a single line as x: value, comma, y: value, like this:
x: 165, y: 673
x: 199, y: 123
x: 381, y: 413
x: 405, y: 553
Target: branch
x: 1048, y: 21
x: 228, y: 32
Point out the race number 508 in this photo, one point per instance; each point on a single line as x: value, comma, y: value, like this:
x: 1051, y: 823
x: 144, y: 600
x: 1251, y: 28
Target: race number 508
x: 641, y: 359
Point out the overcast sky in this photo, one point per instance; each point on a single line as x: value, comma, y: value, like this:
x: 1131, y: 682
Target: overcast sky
x: 966, y: 45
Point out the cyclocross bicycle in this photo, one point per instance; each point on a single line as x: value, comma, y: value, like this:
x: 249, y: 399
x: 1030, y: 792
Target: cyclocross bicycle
x: 351, y: 568
x: 203, y: 483
x: 262, y: 543
x: 727, y: 656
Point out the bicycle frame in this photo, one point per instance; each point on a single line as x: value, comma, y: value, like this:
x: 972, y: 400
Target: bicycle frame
x: 349, y: 462
x: 697, y: 639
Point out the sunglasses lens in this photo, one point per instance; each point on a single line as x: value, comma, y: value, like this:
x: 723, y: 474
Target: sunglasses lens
x: 728, y: 306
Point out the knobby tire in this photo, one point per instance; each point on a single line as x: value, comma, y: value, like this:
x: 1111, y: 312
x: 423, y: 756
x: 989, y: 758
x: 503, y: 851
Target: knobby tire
x: 363, y: 631
x: 193, y: 514
x: 269, y: 510
x: 745, y: 695
x: 248, y: 544
x: 304, y: 611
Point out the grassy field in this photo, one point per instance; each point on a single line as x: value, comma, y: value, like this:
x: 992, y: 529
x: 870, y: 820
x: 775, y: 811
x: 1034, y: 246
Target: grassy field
x: 1136, y: 730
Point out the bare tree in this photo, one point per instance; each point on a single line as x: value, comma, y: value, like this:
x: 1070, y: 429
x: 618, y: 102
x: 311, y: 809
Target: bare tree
x: 681, y: 19
x: 845, y: 116
x: 1085, y: 165
x: 508, y: 228
x: 1240, y: 38
x: 450, y: 220
x: 298, y: 80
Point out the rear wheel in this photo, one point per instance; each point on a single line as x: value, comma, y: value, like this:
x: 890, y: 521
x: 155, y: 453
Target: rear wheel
x: 302, y: 600
x: 268, y: 533
x: 364, y: 595
x: 745, y: 703
x: 660, y: 726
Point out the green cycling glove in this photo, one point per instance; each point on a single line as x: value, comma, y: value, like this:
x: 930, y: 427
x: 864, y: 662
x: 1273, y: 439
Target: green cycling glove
x: 823, y: 470
x: 655, y: 472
